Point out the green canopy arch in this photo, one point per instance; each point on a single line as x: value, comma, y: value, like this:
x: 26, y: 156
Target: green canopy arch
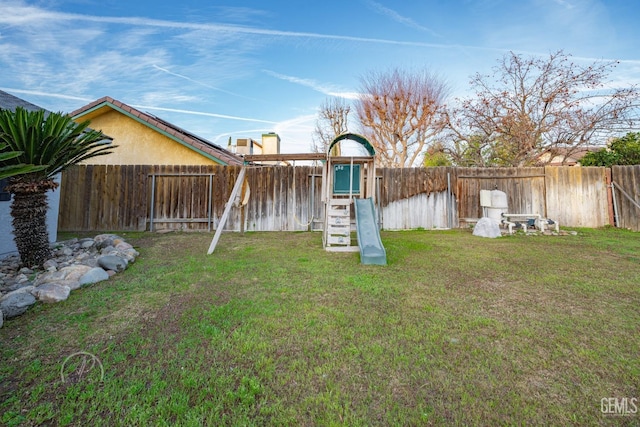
x: 353, y: 137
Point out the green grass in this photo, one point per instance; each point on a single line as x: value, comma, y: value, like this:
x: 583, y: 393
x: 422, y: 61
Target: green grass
x: 273, y: 330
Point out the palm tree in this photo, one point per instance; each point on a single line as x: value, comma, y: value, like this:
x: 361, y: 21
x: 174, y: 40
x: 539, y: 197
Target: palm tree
x: 53, y: 142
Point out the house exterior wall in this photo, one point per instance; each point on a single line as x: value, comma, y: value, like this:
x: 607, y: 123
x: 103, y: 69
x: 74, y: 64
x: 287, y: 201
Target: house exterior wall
x: 7, y: 245
x: 248, y: 146
x: 140, y: 145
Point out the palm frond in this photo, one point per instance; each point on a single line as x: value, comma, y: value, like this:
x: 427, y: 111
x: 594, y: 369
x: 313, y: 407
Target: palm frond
x: 52, y: 143
x: 7, y: 169
x: 15, y: 170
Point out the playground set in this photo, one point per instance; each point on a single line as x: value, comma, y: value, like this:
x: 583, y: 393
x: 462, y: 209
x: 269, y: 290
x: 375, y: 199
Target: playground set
x: 348, y: 194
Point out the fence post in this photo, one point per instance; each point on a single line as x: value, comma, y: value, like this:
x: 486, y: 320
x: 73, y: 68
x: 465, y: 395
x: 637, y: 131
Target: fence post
x: 153, y: 199
x: 610, y: 203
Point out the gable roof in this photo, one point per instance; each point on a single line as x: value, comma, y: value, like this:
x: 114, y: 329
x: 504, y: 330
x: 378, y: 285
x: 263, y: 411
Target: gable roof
x: 10, y: 102
x: 186, y: 138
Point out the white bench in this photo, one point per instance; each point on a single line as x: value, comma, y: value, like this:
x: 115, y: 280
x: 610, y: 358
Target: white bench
x: 540, y: 223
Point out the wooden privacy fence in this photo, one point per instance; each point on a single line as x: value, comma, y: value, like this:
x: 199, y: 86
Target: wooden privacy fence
x: 284, y: 198
x: 143, y: 197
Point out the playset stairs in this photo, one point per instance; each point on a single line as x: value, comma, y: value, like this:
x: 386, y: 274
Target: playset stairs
x: 337, y: 233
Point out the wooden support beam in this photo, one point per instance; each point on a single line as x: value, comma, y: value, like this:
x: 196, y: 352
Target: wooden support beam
x: 227, y: 209
x: 288, y: 157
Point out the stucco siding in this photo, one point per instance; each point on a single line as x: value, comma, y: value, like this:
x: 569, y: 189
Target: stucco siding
x: 140, y: 145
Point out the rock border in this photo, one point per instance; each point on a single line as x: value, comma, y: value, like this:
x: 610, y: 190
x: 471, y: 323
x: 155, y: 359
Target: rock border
x: 75, y: 263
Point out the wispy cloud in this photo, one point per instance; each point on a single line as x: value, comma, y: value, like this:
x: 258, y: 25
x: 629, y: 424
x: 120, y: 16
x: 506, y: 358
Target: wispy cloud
x: 310, y: 83
x: 377, y: 7
x: 140, y: 107
x: 164, y: 70
x: 202, y: 113
x: 296, y: 132
x: 305, y: 122
x: 18, y: 14
x: 29, y: 15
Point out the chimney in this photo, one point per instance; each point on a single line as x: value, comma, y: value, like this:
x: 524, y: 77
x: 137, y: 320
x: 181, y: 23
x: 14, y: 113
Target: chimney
x: 270, y: 143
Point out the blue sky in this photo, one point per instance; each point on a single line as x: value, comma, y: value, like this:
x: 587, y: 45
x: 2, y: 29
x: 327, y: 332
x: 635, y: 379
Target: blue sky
x: 243, y: 68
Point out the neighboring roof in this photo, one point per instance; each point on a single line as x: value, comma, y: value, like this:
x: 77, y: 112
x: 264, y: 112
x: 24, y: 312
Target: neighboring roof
x: 565, y: 156
x: 10, y: 102
x: 190, y: 140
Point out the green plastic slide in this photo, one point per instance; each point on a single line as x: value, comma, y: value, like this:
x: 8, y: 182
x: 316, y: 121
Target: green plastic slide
x: 371, y: 249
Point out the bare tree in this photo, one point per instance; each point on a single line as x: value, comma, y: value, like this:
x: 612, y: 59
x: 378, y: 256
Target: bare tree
x: 332, y: 121
x: 530, y: 106
x: 401, y: 113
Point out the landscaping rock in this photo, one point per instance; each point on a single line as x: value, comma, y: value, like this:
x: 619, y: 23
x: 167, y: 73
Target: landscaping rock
x: 487, y: 227
x: 123, y: 246
x: 50, y: 265
x: 112, y: 262
x: 87, y: 243
x: 1, y: 319
x: 67, y: 276
x: 21, y: 278
x: 94, y: 275
x: 51, y: 276
x: 17, y: 286
x: 51, y: 292
x: 104, y: 240
x: 75, y: 272
x: 71, y: 284
x: 107, y: 250
x: 17, y: 302
x: 74, y: 264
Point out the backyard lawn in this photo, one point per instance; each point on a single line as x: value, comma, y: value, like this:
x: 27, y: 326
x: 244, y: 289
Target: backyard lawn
x: 272, y: 330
